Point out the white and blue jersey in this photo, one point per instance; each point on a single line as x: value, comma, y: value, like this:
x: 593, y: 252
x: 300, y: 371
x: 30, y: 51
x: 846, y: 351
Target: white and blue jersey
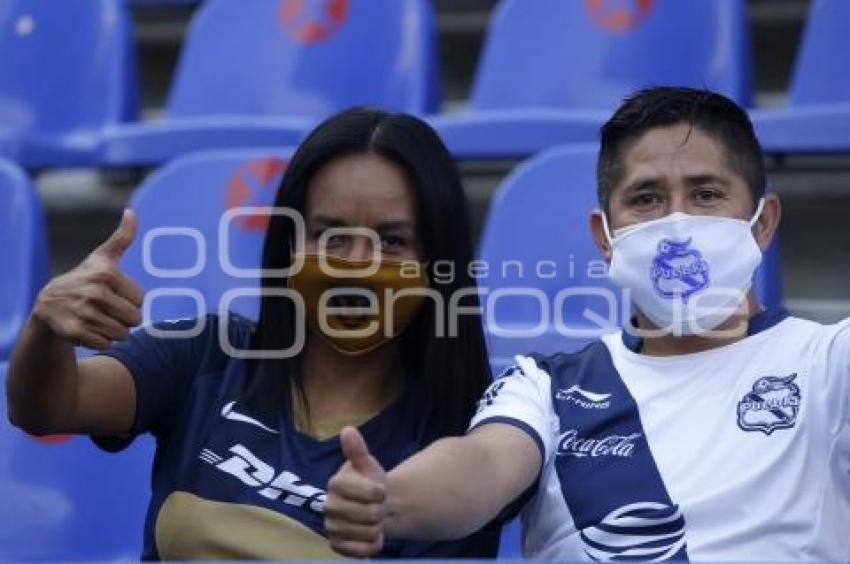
x: 741, y: 452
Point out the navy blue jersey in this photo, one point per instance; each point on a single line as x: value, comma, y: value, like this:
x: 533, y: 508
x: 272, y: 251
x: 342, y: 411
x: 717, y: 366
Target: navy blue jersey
x: 233, y: 478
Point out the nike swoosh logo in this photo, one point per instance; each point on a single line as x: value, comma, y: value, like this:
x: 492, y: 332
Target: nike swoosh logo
x: 590, y: 396
x: 228, y: 413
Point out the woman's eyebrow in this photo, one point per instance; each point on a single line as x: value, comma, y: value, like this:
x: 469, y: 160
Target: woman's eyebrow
x: 395, y: 224
x: 327, y: 220
x: 387, y: 225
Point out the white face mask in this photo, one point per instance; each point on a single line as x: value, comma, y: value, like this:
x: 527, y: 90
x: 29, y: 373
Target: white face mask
x: 686, y: 273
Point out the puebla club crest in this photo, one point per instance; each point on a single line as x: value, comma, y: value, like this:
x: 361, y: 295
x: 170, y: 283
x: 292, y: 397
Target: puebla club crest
x: 678, y: 271
x: 773, y: 403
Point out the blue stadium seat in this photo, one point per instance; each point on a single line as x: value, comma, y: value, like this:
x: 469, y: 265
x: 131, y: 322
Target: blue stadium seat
x: 183, y: 275
x: 67, y: 70
x: 262, y: 73
x: 552, y: 71
x: 25, y: 264
x: 158, y: 3
x: 65, y: 500
x: 537, y: 243
x: 61, y: 499
x: 817, y: 117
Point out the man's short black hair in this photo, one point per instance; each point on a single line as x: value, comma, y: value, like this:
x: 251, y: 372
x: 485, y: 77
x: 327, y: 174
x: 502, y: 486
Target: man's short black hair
x: 665, y: 106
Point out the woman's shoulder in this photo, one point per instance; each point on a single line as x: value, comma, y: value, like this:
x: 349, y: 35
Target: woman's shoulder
x: 187, y: 346
x: 212, y: 329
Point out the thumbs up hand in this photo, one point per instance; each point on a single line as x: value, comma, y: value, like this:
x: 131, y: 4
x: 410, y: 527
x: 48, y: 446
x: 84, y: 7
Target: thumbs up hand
x: 95, y: 303
x: 356, y: 503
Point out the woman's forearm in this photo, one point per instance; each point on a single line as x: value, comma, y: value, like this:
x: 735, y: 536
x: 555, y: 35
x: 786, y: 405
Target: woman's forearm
x: 41, y: 383
x: 457, y: 485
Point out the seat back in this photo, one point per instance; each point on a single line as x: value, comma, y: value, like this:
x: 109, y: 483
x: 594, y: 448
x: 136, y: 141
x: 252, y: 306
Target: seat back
x: 22, y: 238
x: 592, y: 53
x: 179, y: 256
x: 544, y: 267
x: 307, y: 58
x: 65, y: 500
x: 66, y: 66
x: 822, y: 71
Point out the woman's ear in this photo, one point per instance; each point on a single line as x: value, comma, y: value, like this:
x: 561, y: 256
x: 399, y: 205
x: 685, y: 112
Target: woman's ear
x: 768, y: 222
x: 597, y: 230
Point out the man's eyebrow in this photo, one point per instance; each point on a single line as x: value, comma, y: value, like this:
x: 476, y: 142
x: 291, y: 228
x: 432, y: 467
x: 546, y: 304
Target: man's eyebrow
x: 706, y: 177
x: 642, y: 184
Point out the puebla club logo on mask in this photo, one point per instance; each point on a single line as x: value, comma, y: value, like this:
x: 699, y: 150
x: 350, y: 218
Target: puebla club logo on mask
x: 677, y: 270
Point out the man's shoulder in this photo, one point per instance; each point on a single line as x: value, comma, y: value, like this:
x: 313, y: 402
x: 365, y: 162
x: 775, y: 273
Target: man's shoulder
x: 562, y: 367
x: 797, y: 331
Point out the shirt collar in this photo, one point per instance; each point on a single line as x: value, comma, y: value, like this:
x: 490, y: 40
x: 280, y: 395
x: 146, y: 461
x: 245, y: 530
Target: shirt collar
x: 758, y: 323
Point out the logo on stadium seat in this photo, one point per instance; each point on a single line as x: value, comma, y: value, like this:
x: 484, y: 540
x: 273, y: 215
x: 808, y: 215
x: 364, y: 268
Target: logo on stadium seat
x: 255, y: 184
x: 678, y: 271
x: 52, y: 439
x: 618, y: 15
x: 312, y: 21
x: 773, y: 403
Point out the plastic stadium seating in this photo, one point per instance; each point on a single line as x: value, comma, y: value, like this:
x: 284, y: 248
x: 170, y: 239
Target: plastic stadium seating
x: 22, y: 239
x: 65, y: 500
x: 183, y: 275
x: 67, y: 70
x: 262, y: 73
x: 817, y: 117
x: 61, y: 499
x: 157, y: 3
x: 552, y: 71
x: 539, y: 219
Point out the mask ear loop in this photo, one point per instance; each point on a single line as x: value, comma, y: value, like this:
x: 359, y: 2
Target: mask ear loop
x: 608, y: 235
x: 757, y: 214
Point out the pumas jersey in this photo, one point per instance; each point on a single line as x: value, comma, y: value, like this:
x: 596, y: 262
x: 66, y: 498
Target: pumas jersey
x: 737, y: 453
x: 233, y: 478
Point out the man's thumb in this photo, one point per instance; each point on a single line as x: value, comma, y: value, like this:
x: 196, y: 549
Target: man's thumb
x: 356, y: 451
x: 122, y: 238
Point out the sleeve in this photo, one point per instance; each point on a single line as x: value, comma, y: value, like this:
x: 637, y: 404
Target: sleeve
x: 163, y: 360
x: 838, y: 370
x: 521, y: 396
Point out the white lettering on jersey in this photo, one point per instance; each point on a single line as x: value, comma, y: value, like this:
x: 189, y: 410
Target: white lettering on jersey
x: 584, y: 398
x: 252, y: 471
x: 570, y: 444
x: 228, y: 413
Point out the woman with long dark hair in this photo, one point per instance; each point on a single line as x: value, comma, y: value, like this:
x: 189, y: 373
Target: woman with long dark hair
x: 358, y: 325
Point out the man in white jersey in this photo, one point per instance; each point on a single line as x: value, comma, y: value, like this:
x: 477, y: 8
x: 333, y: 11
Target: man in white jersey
x: 719, y: 430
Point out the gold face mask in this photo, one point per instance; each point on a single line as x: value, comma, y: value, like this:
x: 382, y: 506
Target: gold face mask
x: 357, y: 306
